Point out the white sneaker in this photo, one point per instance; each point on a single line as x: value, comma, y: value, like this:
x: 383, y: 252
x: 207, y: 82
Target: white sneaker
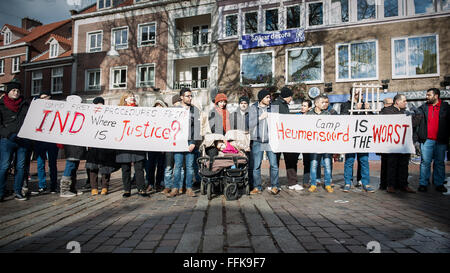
x: 67, y: 194
x: 296, y: 187
x: 269, y: 188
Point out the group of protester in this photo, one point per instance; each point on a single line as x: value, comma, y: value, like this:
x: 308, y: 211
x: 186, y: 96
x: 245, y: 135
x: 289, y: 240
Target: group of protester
x: 174, y: 169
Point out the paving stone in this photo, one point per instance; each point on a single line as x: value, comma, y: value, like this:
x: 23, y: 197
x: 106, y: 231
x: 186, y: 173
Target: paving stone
x: 239, y: 250
x: 213, y: 243
x: 130, y: 243
x: 105, y: 249
x: 165, y: 249
x: 123, y: 250
x: 149, y: 245
x: 286, y: 240
x: 237, y: 235
x: 263, y: 244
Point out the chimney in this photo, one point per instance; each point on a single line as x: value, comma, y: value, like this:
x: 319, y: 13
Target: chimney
x: 28, y: 23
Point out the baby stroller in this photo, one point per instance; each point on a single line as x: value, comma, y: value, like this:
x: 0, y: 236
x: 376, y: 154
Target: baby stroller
x: 224, y: 173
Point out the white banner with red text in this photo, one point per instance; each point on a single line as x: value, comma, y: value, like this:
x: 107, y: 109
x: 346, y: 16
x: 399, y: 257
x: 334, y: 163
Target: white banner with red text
x: 107, y: 126
x: 340, y: 134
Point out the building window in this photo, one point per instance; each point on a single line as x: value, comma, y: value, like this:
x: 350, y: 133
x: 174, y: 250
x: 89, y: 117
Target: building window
x: 315, y: 17
x: 53, y: 50
x: 120, y: 38
x: 231, y: 25
x: 36, y: 82
x: 251, y: 22
x: 390, y: 8
x: 102, y: 4
x: 199, y: 76
x: 57, y: 80
x: 272, y: 20
x: 200, y: 35
x: 146, y: 75
x: 15, y: 64
x: 415, y: 57
x: 424, y: 6
x: 293, y: 17
x: 147, y: 34
x: 2, y: 66
x: 357, y: 61
x: 7, y: 37
x: 305, y: 65
x: 445, y: 5
x: 93, y: 79
x: 339, y: 11
x: 95, y: 41
x: 119, y: 77
x: 257, y: 68
x: 366, y: 9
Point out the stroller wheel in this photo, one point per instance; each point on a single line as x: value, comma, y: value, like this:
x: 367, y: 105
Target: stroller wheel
x: 202, y: 188
x: 247, y: 189
x: 208, y: 191
x: 231, y: 191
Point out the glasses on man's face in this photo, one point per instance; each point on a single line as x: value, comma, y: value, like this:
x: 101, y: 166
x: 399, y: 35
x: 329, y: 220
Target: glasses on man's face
x: 188, y: 96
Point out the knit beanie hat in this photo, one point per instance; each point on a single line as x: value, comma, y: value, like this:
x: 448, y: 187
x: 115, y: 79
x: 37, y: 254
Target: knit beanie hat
x: 220, y: 97
x: 244, y: 98
x: 98, y: 100
x: 262, y: 94
x: 12, y: 85
x: 286, y: 92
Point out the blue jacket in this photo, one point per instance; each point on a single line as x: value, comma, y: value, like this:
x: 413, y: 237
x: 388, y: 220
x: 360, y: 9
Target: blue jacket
x: 259, y: 129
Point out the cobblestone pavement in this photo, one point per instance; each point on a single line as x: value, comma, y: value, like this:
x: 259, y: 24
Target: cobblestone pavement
x: 292, y: 221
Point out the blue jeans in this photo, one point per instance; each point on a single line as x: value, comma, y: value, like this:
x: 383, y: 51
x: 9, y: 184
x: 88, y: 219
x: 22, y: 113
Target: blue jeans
x: 431, y: 150
x: 257, y: 155
x: 363, y: 159
x: 178, y: 166
x: 43, y: 151
x: 315, y: 159
x: 71, y: 168
x: 7, y: 149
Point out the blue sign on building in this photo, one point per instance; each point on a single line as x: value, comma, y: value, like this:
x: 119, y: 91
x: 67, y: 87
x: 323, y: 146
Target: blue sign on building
x: 272, y: 39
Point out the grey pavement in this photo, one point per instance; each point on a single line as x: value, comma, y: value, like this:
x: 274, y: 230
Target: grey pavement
x: 291, y: 222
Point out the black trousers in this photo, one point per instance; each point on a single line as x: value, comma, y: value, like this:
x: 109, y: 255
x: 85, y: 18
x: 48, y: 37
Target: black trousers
x: 383, y: 172
x: 138, y: 172
x: 397, y: 170
x: 291, y: 161
x: 306, y: 167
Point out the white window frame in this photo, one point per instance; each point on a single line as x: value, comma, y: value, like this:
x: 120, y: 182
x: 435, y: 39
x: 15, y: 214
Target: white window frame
x: 225, y: 26
x: 15, y: 62
x: 140, y: 36
x: 113, y: 38
x: 199, y: 86
x: 88, y: 41
x: 138, y: 75
x: 437, y: 74
x: 278, y: 22
x: 257, y: 22
x: 355, y: 6
x: 94, y: 70
x: 36, y: 78
x: 412, y: 7
x: 252, y: 53
x: 301, y: 48
x: 54, y: 49
x: 2, y: 66
x: 286, y: 15
x: 104, y: 4
x: 381, y: 10
x: 334, y: 13
x: 53, y: 76
x: 323, y: 14
x: 111, y: 77
x: 200, y: 27
x: 7, y: 37
x: 350, y: 79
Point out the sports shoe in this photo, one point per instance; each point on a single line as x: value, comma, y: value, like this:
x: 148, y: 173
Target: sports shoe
x: 39, y: 191
x: 173, y: 193
x: 86, y: 186
x: 94, y: 192
x: 422, y: 188
x: 368, y: 188
x: 77, y: 192
x: 269, y: 188
x: 391, y: 189
x: 329, y: 189
x: 408, y: 190
x: 358, y: 184
x: 296, y: 187
x: 441, y: 188
x: 312, y: 188
x: 20, y: 197
x: 67, y: 194
x: 255, y: 191
x: 104, y: 191
x: 166, y: 191
x: 190, y: 192
x: 143, y: 193
x: 126, y: 194
x: 346, y: 188
x: 53, y: 191
x: 274, y: 191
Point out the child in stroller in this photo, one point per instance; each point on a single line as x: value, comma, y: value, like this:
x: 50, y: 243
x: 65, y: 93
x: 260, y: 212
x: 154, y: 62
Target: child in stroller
x: 226, y: 169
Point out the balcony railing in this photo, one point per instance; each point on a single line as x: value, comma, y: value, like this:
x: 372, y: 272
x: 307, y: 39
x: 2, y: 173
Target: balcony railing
x: 192, y: 40
x: 194, y: 84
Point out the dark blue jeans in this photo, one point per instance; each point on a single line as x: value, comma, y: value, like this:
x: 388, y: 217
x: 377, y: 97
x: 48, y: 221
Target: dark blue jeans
x: 432, y: 151
x: 45, y: 150
x: 257, y: 157
x: 363, y: 159
x: 7, y: 150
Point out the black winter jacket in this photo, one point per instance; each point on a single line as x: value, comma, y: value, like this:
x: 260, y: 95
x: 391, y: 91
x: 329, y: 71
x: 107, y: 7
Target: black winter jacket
x: 283, y: 106
x: 444, y: 123
x: 10, y: 122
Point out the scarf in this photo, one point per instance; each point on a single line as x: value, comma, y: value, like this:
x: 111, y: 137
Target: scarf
x: 133, y: 104
x: 225, y: 118
x: 12, y: 105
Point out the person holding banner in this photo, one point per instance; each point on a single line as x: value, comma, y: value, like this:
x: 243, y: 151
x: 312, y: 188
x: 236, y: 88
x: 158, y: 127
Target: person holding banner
x: 193, y: 142
x: 13, y: 109
x: 320, y: 108
x: 290, y: 159
x: 396, y: 172
x: 363, y: 158
x: 128, y: 158
x: 260, y: 135
x: 433, y: 135
x: 305, y: 107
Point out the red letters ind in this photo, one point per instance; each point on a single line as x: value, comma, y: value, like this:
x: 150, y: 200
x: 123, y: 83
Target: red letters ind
x: 77, y: 114
x: 61, y: 126
x: 46, y: 112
